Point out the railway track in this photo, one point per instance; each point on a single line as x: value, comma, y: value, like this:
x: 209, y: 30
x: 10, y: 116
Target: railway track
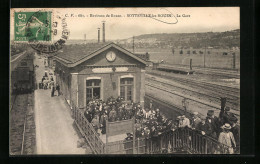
x: 22, y: 127
x: 200, y: 102
x: 232, y: 94
x: 232, y: 102
x: 210, y: 93
x: 228, y: 73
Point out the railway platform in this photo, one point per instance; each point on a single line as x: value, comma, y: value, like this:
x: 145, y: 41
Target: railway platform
x: 55, y: 133
x: 175, y: 69
x: 54, y: 126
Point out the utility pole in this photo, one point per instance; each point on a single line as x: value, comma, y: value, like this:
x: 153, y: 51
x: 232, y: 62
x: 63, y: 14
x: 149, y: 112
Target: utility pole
x: 98, y: 35
x: 104, y: 40
x: 205, y: 52
x: 133, y: 44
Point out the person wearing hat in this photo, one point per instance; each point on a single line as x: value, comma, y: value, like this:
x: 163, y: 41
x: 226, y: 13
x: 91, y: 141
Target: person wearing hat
x: 226, y: 116
x: 151, y: 104
x: 95, y: 123
x: 129, y: 136
x: 195, y: 120
x: 212, y: 122
x: 146, y: 132
x: 179, y: 121
x: 127, y: 144
x: 112, y: 115
x: 103, y: 120
x: 226, y: 137
x: 120, y: 114
x: 158, y: 115
x: 185, y: 121
x: 147, y: 113
x: 235, y: 129
x: 88, y: 116
x: 138, y: 133
x: 204, y: 128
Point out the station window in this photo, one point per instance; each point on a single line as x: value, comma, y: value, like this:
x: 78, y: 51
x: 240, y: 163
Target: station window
x: 126, y: 88
x: 93, y: 89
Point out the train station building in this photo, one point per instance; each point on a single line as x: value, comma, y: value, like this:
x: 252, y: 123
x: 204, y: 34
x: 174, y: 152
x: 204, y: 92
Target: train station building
x: 99, y: 70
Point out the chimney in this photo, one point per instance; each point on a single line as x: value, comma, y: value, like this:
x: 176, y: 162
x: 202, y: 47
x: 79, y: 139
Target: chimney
x: 104, y: 32
x: 98, y: 35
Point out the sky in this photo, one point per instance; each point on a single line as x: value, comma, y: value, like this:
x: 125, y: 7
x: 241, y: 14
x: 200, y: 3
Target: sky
x: 195, y: 19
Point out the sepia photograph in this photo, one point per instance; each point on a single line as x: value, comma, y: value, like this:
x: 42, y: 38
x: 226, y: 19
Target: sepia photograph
x: 153, y: 80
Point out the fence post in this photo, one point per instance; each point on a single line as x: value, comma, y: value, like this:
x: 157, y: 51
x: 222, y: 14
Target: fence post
x: 137, y: 145
x: 161, y: 138
x: 206, y: 146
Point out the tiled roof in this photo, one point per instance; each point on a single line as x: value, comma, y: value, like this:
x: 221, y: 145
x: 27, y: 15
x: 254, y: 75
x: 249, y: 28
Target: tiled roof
x: 75, y: 52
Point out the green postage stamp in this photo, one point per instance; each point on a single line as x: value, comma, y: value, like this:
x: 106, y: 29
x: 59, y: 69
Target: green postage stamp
x: 32, y: 26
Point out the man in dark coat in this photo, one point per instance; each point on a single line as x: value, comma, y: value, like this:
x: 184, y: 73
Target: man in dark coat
x: 103, y: 122
x: 120, y: 114
x: 112, y: 115
x: 214, y: 123
x: 88, y: 116
x: 43, y: 78
x: 58, y: 89
x: 158, y: 115
x: 128, y: 144
x: 204, y: 128
x: 226, y: 116
x: 195, y: 120
x: 236, y: 132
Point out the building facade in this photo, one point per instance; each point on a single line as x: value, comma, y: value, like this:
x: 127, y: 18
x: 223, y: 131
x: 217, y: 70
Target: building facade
x: 99, y: 71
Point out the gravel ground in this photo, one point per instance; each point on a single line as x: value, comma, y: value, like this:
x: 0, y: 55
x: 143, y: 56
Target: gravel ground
x: 30, y: 136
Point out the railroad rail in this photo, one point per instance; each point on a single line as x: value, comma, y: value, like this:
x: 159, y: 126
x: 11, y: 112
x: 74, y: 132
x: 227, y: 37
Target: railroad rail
x: 211, y: 95
x: 18, y: 124
x: 22, y: 126
x: 180, y: 95
x: 208, y: 71
x: 232, y: 94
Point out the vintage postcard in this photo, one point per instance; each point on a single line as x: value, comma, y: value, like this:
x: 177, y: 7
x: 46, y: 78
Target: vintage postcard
x: 124, y: 81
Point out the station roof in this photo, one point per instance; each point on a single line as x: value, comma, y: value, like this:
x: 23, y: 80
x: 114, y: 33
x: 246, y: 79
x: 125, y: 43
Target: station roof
x: 72, y: 55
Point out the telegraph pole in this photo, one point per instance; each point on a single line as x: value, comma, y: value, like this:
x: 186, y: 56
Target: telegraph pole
x: 205, y: 53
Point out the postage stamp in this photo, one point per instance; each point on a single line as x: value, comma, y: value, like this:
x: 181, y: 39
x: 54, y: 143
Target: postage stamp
x: 33, y: 26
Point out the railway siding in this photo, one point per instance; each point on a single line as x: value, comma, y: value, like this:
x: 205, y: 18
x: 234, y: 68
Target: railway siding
x: 209, y: 71
x: 30, y: 133
x: 17, y: 117
x: 232, y: 93
x: 210, y: 96
x: 22, y: 126
x: 176, y: 98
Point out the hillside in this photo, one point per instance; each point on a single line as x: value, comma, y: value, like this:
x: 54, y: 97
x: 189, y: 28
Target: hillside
x: 225, y: 39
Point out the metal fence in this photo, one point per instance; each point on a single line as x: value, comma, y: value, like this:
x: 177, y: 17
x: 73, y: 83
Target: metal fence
x: 188, y: 140
x: 87, y: 130
x: 126, y: 147
x: 181, y: 140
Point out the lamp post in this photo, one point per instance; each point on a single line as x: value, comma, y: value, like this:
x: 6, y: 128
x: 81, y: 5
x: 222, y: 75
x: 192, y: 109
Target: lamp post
x: 185, y: 103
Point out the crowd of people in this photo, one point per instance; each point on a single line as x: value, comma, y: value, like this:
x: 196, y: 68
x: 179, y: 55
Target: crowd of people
x: 150, y: 123
x: 48, y: 83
